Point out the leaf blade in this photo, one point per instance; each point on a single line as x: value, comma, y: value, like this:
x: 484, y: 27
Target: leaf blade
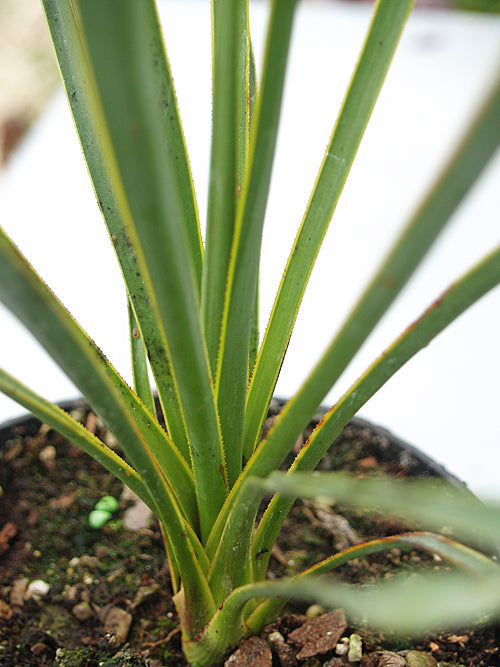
x: 432, y: 502
x: 242, y: 277
x: 478, y: 281
x: 123, y: 48
x: 459, y: 174
x: 59, y: 420
x: 461, y: 556
x: 31, y: 301
x: 65, y: 27
x: 380, y: 43
x: 139, y: 363
x: 230, y: 123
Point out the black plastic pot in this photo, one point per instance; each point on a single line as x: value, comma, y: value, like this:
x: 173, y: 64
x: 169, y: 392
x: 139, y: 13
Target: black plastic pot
x: 391, y: 446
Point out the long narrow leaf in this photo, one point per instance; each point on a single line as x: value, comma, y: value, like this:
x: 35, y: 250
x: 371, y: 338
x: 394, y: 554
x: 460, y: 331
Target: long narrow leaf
x: 230, y: 95
x: 231, y: 566
x: 432, y: 503
x: 139, y: 363
x: 382, y: 38
x: 87, y: 113
x: 124, y: 48
x: 240, y: 300
x: 59, y: 420
x: 254, y: 333
x: 452, y: 552
x: 140, y: 436
x: 462, y: 170
x: 431, y: 601
x: 442, y: 312
x: 469, y: 159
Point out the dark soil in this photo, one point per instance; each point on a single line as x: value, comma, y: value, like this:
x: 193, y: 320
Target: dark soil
x: 49, y: 488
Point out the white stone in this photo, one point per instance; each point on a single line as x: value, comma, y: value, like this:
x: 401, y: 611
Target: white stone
x: 48, y: 455
x: 37, y: 589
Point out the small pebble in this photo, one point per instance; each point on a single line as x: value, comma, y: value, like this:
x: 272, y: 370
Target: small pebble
x: 252, y: 651
x: 82, y: 611
x: 314, y: 611
x: 89, y: 561
x: 420, y: 659
x: 39, y: 649
x: 71, y: 593
x: 103, y: 612
x: 110, y: 440
x: 137, y: 516
x: 342, y: 647
x: 36, y: 590
x: 390, y: 659
x: 5, y: 611
x: 117, y: 623
x: 47, y: 456
x: 18, y: 591
x: 284, y: 655
x: 355, y: 648
x: 102, y: 552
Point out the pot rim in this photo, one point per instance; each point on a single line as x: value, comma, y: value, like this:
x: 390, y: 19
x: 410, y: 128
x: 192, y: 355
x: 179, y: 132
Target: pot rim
x: 435, y: 469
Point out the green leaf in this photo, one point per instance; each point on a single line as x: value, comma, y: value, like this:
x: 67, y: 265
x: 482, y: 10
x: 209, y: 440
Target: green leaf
x: 477, y: 282
x: 242, y: 277
x: 87, y: 112
x: 59, y: 420
x: 380, y: 43
x: 422, y: 604
x: 458, y: 176
x: 433, y: 503
x: 139, y: 363
x: 231, y: 565
x: 127, y: 62
x: 139, y: 435
x: 230, y: 94
x: 253, y: 94
x: 453, y: 552
x: 413, y: 605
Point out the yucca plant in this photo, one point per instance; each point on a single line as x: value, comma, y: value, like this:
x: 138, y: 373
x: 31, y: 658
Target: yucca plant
x: 193, y: 321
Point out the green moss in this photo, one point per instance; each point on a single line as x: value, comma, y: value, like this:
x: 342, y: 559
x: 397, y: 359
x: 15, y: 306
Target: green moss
x: 78, y: 657
x: 124, y: 658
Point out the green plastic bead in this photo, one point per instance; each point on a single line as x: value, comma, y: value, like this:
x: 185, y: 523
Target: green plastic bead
x: 97, y: 518
x: 108, y: 504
